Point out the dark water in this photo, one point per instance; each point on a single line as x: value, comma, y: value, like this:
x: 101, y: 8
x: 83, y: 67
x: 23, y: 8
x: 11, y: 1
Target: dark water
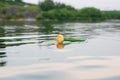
x: 28, y: 51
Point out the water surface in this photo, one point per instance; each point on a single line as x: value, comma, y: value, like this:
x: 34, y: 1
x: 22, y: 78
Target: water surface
x: 28, y: 51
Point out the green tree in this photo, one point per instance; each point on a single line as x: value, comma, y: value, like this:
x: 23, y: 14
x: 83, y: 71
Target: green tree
x: 60, y: 14
x: 59, y: 5
x: 90, y: 14
x: 46, y: 5
x: 112, y: 14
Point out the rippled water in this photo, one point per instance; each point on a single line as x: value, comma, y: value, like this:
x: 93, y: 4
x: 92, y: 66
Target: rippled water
x: 28, y: 51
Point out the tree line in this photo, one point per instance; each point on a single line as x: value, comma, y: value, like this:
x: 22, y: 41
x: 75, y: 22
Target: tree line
x: 49, y: 10
x: 60, y: 11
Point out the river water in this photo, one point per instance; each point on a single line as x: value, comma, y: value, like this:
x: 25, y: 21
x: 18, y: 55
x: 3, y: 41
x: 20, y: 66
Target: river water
x: 28, y: 51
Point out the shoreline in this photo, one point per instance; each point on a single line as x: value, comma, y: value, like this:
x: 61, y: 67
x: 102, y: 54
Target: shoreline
x: 27, y: 19
x: 34, y: 20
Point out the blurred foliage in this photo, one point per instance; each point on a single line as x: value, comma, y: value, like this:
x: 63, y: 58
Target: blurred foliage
x: 90, y: 14
x: 46, y: 5
x: 49, y: 10
x: 85, y: 14
x: 60, y: 11
x: 16, y: 9
x: 12, y: 2
x: 112, y: 14
x: 33, y: 8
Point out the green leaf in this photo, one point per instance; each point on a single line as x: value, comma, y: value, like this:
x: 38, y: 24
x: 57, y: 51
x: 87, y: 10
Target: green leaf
x: 74, y: 40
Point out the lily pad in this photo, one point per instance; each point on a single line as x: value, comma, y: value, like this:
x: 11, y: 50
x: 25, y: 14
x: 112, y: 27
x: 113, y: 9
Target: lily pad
x: 74, y: 40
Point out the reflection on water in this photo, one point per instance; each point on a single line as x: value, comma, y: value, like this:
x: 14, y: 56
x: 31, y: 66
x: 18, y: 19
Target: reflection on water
x: 28, y: 51
x: 60, y: 45
x: 46, y: 27
x: 2, y: 56
x: 2, y: 47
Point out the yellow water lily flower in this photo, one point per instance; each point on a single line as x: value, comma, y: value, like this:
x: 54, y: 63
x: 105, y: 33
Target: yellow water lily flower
x: 59, y: 38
